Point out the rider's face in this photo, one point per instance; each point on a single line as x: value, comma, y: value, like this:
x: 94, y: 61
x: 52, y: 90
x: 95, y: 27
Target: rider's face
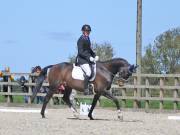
x: 86, y: 33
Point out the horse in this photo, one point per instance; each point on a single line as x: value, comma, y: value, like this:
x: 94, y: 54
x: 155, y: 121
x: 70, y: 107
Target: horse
x: 61, y: 74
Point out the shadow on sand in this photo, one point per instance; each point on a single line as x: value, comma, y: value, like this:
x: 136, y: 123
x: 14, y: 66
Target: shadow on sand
x: 106, y: 120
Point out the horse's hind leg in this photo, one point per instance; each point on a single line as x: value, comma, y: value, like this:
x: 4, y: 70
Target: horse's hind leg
x: 70, y: 100
x: 46, y: 100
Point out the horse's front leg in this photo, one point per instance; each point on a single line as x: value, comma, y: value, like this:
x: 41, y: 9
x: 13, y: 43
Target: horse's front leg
x: 115, y: 100
x: 95, y: 99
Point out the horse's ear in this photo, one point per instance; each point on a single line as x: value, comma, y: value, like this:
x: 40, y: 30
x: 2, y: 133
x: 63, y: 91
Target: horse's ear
x: 136, y: 67
x: 131, y: 68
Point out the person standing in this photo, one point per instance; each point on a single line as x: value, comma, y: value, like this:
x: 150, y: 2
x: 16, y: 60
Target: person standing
x: 5, y: 79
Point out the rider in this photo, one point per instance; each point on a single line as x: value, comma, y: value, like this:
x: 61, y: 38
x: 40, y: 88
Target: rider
x: 86, y: 57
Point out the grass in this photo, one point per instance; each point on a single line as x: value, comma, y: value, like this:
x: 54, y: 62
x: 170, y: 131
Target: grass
x: 129, y: 104
x: 107, y: 103
x: 16, y: 99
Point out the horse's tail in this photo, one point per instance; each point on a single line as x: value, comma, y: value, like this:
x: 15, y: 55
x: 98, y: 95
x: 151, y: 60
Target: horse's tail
x: 39, y: 81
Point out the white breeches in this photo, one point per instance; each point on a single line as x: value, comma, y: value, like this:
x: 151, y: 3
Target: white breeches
x: 86, y: 68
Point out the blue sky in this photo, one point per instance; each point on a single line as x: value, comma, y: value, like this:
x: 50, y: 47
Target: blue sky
x: 43, y: 32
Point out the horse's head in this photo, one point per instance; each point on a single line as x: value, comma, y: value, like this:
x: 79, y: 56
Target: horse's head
x: 121, y: 68
x: 125, y: 72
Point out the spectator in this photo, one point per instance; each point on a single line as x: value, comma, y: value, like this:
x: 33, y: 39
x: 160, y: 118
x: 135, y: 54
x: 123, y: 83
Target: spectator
x: 40, y: 99
x: 1, y: 74
x: 5, y: 79
x: 21, y: 82
x: 44, y: 89
x: 37, y: 70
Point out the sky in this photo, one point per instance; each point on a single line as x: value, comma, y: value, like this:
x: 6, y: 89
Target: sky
x: 44, y: 32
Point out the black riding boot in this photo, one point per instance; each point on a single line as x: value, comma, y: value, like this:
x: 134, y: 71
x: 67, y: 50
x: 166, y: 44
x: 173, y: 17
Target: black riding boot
x: 86, y: 87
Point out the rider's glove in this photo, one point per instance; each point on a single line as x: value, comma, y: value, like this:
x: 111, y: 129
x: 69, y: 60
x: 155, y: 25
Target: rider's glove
x: 91, y: 59
x: 96, y: 58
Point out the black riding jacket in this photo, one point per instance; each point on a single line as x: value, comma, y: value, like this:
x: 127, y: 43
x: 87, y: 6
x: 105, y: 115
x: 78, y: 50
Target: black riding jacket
x: 84, y: 51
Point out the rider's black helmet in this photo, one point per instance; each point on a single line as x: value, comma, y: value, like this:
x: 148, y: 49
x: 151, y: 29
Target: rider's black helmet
x: 86, y: 27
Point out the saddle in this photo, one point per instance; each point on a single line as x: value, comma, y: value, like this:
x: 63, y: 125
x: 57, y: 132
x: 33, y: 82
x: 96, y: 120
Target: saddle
x: 78, y: 73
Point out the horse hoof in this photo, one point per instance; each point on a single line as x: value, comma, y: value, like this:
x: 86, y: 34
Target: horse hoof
x: 91, y: 118
x: 76, y: 115
x: 120, y: 116
x: 43, y: 116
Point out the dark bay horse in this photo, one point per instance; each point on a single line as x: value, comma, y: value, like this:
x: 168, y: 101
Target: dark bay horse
x: 61, y: 74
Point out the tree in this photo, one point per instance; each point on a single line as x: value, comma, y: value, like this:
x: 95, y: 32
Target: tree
x: 72, y: 59
x: 104, y: 51
x: 164, y: 55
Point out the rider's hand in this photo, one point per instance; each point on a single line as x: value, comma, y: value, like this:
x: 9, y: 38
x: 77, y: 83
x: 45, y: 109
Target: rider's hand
x: 91, y: 59
x: 96, y: 58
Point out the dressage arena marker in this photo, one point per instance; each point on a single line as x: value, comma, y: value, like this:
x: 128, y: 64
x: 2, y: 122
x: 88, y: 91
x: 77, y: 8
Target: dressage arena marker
x: 174, y: 117
x: 21, y: 110
x: 84, y: 109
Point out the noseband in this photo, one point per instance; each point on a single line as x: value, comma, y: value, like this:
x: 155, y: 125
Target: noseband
x: 119, y: 78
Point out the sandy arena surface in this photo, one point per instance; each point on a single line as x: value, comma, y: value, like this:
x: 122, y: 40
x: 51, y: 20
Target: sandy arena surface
x: 61, y: 122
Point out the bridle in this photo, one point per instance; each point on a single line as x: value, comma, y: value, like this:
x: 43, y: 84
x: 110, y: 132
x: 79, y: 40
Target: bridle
x: 118, y: 77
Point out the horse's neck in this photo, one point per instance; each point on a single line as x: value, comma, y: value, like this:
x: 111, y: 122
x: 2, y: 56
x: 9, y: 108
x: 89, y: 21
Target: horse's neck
x: 114, y: 65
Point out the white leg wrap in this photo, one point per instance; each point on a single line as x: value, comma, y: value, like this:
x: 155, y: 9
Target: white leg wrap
x: 72, y: 109
x: 75, y: 113
x: 120, y: 115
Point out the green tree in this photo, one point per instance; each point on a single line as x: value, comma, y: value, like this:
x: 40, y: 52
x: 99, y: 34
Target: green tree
x: 104, y: 51
x: 72, y: 58
x: 163, y: 56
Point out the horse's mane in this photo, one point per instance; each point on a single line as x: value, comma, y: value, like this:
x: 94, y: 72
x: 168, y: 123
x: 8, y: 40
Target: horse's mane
x: 114, y: 60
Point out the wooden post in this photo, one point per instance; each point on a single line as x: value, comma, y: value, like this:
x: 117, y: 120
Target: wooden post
x: 9, y: 90
x: 147, y: 94
x: 161, y: 95
x: 139, y: 45
x: 176, y: 83
x: 135, y: 103
x: 124, y: 95
x: 30, y: 90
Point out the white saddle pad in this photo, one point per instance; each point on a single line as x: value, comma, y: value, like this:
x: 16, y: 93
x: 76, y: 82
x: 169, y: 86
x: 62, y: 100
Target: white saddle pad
x: 77, y: 73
